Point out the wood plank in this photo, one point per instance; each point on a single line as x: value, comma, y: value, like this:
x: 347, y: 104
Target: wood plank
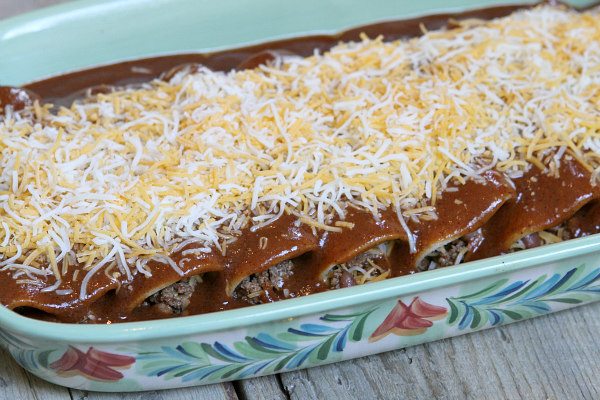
x: 223, y: 391
x: 16, y: 383
x: 554, y: 356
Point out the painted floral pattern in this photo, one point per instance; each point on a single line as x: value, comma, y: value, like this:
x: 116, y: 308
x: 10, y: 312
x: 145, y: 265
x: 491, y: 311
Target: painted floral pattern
x: 413, y: 319
x: 505, y: 301
x: 94, y: 364
x: 308, y: 344
x: 312, y: 340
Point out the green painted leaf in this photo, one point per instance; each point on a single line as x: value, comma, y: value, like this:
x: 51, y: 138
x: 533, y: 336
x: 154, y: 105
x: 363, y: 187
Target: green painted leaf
x: 331, y: 317
x: 325, y: 348
x: 476, y: 319
x: 254, y: 350
x: 179, y: 372
x: 356, y: 331
x: 453, y: 316
x: 567, y: 300
x: 231, y: 371
x: 513, y: 314
x: 195, y: 350
x: 208, y: 349
x: 483, y: 292
x: 279, y: 366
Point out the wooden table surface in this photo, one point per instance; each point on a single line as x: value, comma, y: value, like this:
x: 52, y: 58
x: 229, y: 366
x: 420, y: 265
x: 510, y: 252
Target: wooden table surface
x: 551, y: 357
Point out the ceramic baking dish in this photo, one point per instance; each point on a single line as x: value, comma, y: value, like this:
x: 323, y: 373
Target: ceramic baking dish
x: 291, y: 334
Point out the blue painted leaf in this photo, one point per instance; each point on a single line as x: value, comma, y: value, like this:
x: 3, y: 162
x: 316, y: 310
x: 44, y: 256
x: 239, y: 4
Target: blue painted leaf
x: 203, y: 373
x: 495, y: 317
x: 253, y: 369
x: 340, y: 339
x: 167, y: 370
x: 304, y: 333
x: 465, y: 322
x: 227, y: 352
x: 43, y: 358
x: 588, y: 279
x: 174, y: 352
x: 318, y: 329
x: 208, y: 349
x: 524, y: 290
x: 513, y: 287
x: 274, y: 343
x: 544, y: 287
x: 300, y: 357
x: 562, y: 281
x: 260, y: 349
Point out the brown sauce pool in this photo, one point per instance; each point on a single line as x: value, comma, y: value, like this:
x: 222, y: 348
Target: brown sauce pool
x: 313, y: 252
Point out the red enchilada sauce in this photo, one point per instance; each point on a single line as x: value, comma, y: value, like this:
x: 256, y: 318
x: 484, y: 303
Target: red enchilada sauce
x: 113, y: 297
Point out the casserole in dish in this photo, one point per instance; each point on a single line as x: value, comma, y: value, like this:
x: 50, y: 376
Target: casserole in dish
x: 199, y: 360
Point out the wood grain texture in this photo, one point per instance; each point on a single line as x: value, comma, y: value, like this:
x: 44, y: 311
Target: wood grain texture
x: 552, y: 357
x: 223, y: 391
x: 16, y: 383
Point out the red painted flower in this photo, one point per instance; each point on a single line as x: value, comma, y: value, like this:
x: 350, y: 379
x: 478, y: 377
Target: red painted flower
x: 94, y: 364
x: 404, y: 320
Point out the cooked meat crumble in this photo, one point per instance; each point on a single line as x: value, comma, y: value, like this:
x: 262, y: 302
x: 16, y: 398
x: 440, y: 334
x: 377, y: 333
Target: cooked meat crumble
x: 450, y: 254
x: 174, y: 299
x: 369, y: 266
x: 266, y: 286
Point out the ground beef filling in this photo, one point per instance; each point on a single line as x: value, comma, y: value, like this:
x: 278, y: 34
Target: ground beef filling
x: 451, y: 253
x: 369, y: 266
x: 174, y: 299
x: 266, y: 286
